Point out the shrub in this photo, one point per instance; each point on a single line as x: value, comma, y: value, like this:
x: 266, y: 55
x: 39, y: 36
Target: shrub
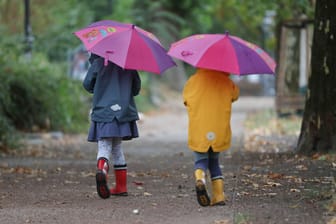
x: 38, y: 96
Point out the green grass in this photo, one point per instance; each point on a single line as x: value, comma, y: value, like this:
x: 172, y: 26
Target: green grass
x: 241, y: 218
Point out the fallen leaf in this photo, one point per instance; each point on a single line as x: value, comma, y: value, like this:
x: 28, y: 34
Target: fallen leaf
x: 23, y: 170
x: 166, y: 174
x: 255, y: 185
x: 185, y: 176
x: 273, y: 184
x: 301, y: 167
x: 294, y: 206
x: 88, y: 174
x: 271, y: 194
x: 332, y: 207
x: 294, y: 179
x: 243, y: 193
x: 137, y: 183
x: 147, y: 194
x: 4, y: 165
x: 316, y: 156
x: 225, y: 221
x: 332, y: 221
x: 275, y: 175
x: 132, y: 174
x: 247, y: 167
x: 182, y: 195
x: 71, y: 182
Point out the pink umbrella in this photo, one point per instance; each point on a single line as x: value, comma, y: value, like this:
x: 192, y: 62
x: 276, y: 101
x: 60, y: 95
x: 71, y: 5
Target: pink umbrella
x: 126, y: 45
x: 223, y: 52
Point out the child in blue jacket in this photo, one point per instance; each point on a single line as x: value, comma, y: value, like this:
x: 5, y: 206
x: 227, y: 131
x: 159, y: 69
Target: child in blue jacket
x: 113, y: 119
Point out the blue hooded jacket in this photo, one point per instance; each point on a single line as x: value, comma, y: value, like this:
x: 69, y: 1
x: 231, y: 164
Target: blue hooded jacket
x: 113, y: 91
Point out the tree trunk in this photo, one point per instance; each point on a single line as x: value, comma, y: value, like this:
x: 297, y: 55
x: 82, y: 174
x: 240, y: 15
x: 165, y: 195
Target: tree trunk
x: 318, y: 129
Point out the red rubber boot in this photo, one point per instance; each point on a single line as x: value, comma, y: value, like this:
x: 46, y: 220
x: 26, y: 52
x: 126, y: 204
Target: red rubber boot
x: 121, y: 183
x: 101, y: 178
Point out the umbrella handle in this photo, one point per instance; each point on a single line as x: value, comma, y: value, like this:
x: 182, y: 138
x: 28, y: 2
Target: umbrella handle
x: 107, y: 57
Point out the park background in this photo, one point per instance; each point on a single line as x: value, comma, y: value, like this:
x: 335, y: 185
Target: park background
x: 43, y: 110
x: 43, y: 62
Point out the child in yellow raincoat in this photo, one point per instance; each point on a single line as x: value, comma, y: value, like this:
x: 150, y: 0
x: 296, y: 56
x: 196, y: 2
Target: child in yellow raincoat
x: 208, y: 96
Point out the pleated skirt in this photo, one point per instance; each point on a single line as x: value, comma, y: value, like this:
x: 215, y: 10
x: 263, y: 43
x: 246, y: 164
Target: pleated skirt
x: 99, y: 130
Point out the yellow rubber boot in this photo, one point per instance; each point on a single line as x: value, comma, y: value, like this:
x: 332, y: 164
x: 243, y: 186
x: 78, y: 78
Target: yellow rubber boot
x: 201, y: 191
x: 218, y: 197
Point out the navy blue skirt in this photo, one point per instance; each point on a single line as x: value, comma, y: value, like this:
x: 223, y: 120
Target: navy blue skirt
x: 99, y: 130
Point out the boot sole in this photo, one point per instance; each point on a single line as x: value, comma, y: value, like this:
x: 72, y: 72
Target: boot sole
x: 102, y: 188
x: 221, y: 203
x: 120, y: 194
x: 202, y: 194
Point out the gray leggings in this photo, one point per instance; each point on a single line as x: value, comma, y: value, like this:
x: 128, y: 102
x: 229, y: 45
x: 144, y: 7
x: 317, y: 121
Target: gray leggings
x: 111, y: 146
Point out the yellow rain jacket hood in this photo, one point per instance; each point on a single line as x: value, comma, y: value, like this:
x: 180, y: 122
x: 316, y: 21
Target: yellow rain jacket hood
x: 208, y: 96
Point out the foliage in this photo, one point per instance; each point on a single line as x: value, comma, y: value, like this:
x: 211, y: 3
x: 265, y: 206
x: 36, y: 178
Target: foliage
x: 56, y: 38
x: 36, y: 96
x: 152, y: 15
x: 241, y: 218
x: 143, y: 101
x: 8, y: 135
x: 7, y: 130
x: 245, y: 18
x: 54, y: 22
x: 194, y: 15
x: 40, y: 91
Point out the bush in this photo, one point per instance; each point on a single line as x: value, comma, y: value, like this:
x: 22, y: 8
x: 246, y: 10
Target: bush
x: 38, y: 96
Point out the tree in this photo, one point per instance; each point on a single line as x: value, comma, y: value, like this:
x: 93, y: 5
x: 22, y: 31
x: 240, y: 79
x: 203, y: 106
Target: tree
x: 154, y: 17
x: 318, y: 128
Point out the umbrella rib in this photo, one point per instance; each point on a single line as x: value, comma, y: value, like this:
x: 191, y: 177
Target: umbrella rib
x: 254, y: 66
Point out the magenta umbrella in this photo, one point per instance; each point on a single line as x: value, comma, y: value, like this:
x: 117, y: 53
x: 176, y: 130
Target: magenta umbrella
x: 126, y: 45
x: 223, y: 52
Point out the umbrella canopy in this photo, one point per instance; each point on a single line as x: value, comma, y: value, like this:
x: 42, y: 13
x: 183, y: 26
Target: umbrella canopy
x: 223, y: 52
x: 126, y: 45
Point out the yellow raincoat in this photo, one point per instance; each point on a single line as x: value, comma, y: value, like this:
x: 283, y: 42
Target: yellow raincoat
x: 208, y: 96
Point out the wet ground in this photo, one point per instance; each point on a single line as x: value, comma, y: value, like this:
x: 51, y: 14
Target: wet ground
x: 52, y: 180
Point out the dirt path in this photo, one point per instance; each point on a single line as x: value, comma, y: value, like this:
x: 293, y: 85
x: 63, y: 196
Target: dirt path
x: 53, y: 182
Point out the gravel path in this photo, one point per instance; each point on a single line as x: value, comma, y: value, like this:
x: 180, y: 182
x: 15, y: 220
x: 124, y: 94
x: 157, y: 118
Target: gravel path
x: 52, y: 180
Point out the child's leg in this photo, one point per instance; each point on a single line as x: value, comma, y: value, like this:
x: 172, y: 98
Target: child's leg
x: 201, y: 161
x: 214, y: 168
x: 104, y: 148
x: 217, y: 180
x: 117, y: 152
x: 103, y: 156
x: 201, y: 165
x: 120, y: 168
